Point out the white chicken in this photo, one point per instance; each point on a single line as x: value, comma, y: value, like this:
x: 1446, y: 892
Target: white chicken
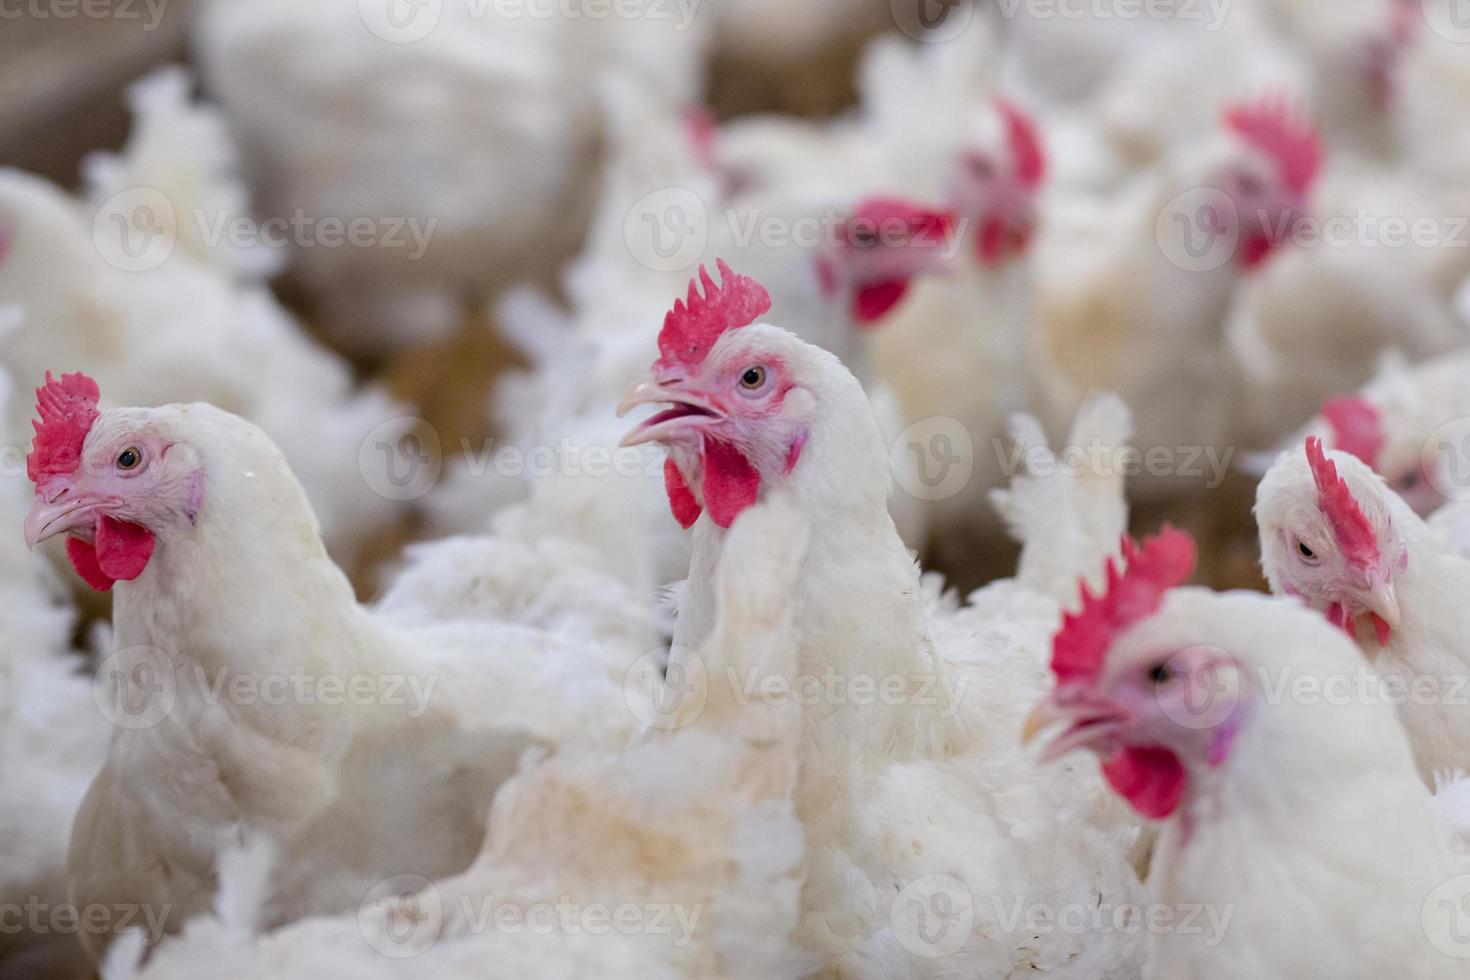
x: 256, y: 697
x: 475, y: 122
x: 686, y: 843
x: 190, y: 323
x: 912, y: 781
x: 1180, y: 693
x: 1334, y: 535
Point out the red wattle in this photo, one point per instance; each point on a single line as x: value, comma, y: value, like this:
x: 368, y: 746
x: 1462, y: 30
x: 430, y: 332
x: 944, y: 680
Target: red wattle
x: 1253, y: 250
x: 83, y: 558
x: 1152, y: 780
x: 123, y: 549
x: 121, y: 552
x: 730, y: 482
x: 681, y: 499
x: 872, y: 302
x: 1381, y: 629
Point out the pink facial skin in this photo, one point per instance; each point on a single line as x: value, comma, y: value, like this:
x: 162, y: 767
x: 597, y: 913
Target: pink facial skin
x: 723, y: 414
x: 1152, y: 722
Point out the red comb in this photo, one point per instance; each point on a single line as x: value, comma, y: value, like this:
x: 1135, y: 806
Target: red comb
x: 693, y: 325
x: 1271, y: 127
x: 1355, y: 427
x: 1349, y: 524
x: 1025, y: 143
x: 1149, y: 570
x: 67, y: 409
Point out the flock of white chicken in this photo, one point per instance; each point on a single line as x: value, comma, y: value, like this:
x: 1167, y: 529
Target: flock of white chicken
x: 696, y: 711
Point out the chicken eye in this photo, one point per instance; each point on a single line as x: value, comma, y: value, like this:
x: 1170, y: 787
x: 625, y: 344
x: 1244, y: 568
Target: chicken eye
x: 1304, y: 551
x: 1160, y: 674
x: 863, y: 237
x: 1250, y: 185
x: 1410, y: 480
x: 129, y: 458
x: 753, y: 378
x: 981, y: 168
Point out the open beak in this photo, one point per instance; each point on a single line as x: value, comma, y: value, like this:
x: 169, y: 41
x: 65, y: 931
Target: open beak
x: 689, y: 413
x: 48, y: 519
x: 1090, y: 723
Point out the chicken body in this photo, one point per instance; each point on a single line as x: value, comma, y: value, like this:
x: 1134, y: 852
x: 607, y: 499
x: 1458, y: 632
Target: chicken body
x: 940, y: 733
x: 256, y: 697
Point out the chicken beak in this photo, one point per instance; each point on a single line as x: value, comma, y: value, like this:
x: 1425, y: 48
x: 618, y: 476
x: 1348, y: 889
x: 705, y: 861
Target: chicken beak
x: 1380, y: 598
x: 689, y: 414
x: 644, y: 391
x: 1043, y: 716
x: 1090, y: 721
x: 47, y: 519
